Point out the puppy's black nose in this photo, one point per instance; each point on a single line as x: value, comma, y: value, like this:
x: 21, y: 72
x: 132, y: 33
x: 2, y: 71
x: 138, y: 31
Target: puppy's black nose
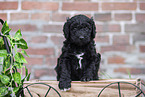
x: 81, y: 37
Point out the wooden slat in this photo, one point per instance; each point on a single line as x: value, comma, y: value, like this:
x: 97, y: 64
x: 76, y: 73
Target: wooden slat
x: 86, y: 89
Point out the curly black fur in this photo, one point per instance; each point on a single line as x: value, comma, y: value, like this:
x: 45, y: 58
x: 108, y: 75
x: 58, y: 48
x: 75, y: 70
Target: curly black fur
x: 79, y: 32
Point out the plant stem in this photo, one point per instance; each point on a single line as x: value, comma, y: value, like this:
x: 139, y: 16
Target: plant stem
x: 11, y: 69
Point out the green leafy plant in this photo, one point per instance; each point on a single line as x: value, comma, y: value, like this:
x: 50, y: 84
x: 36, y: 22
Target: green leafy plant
x: 129, y: 74
x: 11, y: 81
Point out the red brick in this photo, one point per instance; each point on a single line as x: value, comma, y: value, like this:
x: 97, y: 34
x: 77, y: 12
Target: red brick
x: 109, y: 28
x: 43, y: 72
x: 133, y: 71
x: 41, y: 51
x: 8, y: 5
x: 139, y: 0
x: 3, y: 16
x: 80, y: 6
x: 140, y: 17
x: 142, y: 48
x: 102, y: 39
x: 142, y: 6
x: 117, y: 48
x: 82, y: 0
x: 34, y: 61
x: 59, y: 17
x: 25, y: 27
x: 119, y: 6
x: 116, y: 60
x: 57, y: 40
x: 139, y: 37
x: 51, y: 61
x: 19, y: 16
x: 123, y: 17
x: 137, y: 71
x: 137, y: 28
x: 39, y: 39
x: 59, y: 50
x: 121, y: 40
x: 103, y: 17
x: 30, y: 5
x: 40, y: 16
x: 52, y: 28
x: 88, y: 15
x: 142, y: 60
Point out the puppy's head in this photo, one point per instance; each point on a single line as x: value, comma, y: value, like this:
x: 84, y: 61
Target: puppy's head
x: 79, y: 30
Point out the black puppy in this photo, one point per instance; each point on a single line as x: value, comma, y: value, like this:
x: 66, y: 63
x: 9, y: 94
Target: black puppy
x: 79, y: 60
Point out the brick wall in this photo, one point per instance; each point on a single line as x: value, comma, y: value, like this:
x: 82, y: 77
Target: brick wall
x: 120, y: 38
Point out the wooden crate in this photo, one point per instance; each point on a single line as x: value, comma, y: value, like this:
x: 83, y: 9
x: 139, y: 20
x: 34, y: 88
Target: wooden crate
x: 86, y: 89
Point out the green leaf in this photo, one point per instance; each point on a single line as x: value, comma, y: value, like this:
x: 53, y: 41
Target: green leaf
x: 28, y: 78
x: 17, y: 77
x: 23, y: 80
x: 6, y: 63
x: 0, y: 76
x: 3, y: 53
x: 22, y: 44
x: 5, y: 29
x: 1, y: 84
x: 3, y: 91
x: 18, y: 65
x: 26, y: 75
x: 7, y: 72
x: 20, y: 58
x: 7, y: 32
x: 5, y: 79
x: 26, y: 71
x: 16, y: 89
x: 24, y: 52
x: 128, y: 71
x: 18, y: 35
x: 13, y: 43
x: 2, y: 44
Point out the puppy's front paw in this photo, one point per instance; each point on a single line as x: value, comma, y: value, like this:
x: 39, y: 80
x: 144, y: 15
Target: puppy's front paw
x: 86, y: 78
x: 65, y: 89
x: 64, y: 85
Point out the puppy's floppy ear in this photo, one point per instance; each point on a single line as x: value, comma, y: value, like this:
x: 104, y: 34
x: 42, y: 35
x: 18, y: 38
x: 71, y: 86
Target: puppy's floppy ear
x: 66, y: 28
x: 93, y: 28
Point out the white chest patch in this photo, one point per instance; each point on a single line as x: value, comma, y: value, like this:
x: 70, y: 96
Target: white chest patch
x: 80, y: 57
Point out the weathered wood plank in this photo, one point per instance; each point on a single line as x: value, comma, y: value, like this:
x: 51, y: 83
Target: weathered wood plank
x: 86, y: 89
